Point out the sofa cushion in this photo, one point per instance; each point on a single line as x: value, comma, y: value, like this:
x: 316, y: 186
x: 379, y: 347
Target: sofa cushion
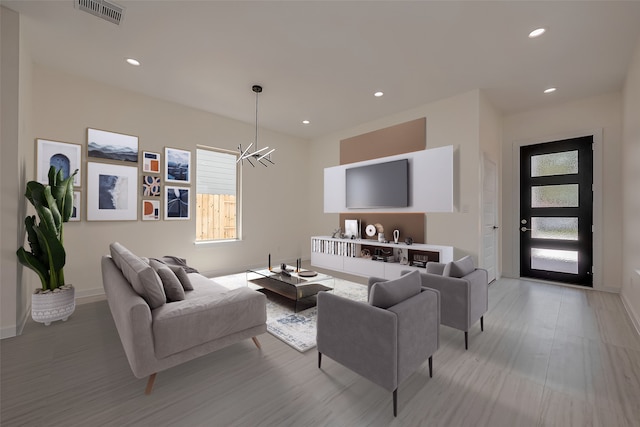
x: 459, y: 268
x: 209, y: 312
x: 141, y: 276
x: 174, y: 260
x: 389, y: 293
x: 182, y: 276
x: 172, y: 287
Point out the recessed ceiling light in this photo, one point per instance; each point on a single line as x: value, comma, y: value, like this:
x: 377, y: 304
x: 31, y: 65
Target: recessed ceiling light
x: 550, y: 90
x: 133, y: 61
x: 305, y: 122
x: 537, y: 33
x: 378, y: 94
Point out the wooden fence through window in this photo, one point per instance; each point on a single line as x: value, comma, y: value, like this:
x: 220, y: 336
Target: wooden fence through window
x: 215, y: 217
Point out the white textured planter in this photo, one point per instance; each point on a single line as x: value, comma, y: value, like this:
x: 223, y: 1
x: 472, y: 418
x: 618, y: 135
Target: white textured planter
x: 47, y: 307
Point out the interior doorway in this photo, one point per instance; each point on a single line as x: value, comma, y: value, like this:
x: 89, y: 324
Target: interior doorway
x: 556, y: 211
x: 490, y: 217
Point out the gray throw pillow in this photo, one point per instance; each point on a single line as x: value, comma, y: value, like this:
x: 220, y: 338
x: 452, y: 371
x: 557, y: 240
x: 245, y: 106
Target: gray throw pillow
x: 172, y: 286
x: 182, y: 276
x: 143, y: 279
x: 389, y: 293
x: 435, y: 268
x: 459, y: 268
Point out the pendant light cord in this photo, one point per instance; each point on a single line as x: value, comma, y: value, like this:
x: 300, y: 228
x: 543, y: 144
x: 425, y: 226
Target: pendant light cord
x: 256, y: 140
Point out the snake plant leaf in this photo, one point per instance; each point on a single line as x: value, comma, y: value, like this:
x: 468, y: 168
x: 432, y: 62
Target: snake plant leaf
x: 32, y: 238
x: 28, y: 260
x: 55, y: 252
x: 35, y: 193
x: 53, y: 208
x: 66, y: 201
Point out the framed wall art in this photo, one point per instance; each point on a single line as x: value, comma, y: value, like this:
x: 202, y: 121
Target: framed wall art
x: 112, y: 192
x: 150, y: 210
x: 112, y: 146
x: 177, y: 166
x: 150, y: 186
x: 150, y: 162
x: 177, y: 202
x: 62, y: 155
x: 75, y: 213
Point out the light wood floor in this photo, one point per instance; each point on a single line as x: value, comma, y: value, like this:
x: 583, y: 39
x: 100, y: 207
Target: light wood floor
x: 549, y: 356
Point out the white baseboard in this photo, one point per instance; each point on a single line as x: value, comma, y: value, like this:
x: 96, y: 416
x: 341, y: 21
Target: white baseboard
x: 7, y: 332
x: 89, y: 295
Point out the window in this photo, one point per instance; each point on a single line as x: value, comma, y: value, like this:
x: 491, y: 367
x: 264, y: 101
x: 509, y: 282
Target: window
x: 217, y: 195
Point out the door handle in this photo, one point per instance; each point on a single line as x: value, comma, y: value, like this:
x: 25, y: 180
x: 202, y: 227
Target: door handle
x: 523, y: 229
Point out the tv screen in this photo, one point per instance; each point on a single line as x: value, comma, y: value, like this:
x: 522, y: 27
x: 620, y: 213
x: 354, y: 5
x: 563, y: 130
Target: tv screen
x: 381, y: 185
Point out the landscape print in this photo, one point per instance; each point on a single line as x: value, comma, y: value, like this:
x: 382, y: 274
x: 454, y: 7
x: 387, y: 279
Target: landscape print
x: 112, y: 146
x: 112, y: 193
x: 177, y: 165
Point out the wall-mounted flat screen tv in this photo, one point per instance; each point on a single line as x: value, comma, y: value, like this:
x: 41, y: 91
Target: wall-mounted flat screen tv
x: 380, y: 185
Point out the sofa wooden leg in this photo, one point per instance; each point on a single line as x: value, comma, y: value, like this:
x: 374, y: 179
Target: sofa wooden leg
x: 319, y: 360
x: 430, y: 366
x: 466, y: 340
x: 150, y: 381
x: 395, y: 402
x: 256, y: 342
x: 482, y: 323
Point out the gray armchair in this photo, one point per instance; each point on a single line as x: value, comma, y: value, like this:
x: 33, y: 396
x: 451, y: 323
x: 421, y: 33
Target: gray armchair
x: 386, y: 342
x: 463, y: 291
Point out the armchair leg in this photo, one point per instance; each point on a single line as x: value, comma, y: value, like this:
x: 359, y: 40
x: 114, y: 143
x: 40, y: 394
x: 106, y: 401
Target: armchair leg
x: 466, y: 340
x: 430, y: 366
x: 482, y: 323
x: 256, y: 342
x: 319, y: 360
x: 395, y: 402
x: 150, y: 381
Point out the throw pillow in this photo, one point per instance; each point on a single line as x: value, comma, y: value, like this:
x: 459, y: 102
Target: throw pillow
x: 143, y: 279
x: 389, y: 293
x: 459, y: 268
x: 182, y: 276
x: 435, y: 268
x: 172, y: 286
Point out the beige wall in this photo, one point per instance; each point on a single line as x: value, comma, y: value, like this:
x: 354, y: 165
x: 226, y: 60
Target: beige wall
x: 602, y: 115
x: 452, y: 121
x: 64, y: 106
x: 631, y: 191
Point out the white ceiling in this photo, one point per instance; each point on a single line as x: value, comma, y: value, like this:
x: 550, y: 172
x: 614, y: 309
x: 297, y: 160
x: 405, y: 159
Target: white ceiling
x: 323, y: 60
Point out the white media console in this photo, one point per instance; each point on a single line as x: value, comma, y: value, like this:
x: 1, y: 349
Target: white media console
x: 346, y: 255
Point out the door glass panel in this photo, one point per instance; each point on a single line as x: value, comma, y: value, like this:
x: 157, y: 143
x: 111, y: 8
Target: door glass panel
x: 554, y: 228
x: 563, y: 163
x: 554, y: 196
x: 554, y: 260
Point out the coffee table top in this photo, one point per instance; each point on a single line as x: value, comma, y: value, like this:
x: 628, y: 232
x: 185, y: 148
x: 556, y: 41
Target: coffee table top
x: 294, y: 280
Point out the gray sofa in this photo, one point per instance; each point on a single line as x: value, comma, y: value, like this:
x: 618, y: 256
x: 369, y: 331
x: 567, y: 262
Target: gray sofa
x: 157, y: 335
x: 385, y: 340
x: 464, y: 293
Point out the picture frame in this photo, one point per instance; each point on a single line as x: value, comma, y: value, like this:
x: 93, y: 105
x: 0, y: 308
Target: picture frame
x: 75, y: 213
x: 151, y: 186
x: 177, y: 166
x: 150, y: 162
x: 177, y: 204
x: 151, y: 210
x: 102, y: 144
x: 63, y: 155
x: 112, y: 192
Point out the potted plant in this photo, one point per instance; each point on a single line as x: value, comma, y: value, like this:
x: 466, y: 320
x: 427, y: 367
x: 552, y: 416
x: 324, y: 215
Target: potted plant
x: 46, y: 256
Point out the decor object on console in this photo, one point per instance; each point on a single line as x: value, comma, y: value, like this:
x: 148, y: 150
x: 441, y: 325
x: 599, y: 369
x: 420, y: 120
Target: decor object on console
x: 157, y: 335
x: 53, y: 204
x: 258, y: 155
x: 385, y: 340
x: 464, y: 291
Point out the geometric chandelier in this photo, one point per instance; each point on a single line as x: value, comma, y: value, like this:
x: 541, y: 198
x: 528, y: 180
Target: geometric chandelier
x: 258, y: 155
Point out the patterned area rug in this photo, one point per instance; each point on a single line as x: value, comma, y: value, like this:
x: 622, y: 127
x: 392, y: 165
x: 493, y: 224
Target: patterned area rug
x: 296, y: 329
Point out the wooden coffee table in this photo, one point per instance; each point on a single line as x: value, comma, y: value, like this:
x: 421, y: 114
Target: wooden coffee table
x: 301, y: 290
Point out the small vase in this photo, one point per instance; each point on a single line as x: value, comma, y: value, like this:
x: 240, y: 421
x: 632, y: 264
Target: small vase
x: 49, y: 306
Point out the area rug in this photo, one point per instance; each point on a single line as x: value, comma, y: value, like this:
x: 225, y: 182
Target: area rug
x: 298, y: 330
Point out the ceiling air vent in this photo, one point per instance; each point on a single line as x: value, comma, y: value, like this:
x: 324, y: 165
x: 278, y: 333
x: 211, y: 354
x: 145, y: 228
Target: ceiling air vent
x: 102, y: 9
